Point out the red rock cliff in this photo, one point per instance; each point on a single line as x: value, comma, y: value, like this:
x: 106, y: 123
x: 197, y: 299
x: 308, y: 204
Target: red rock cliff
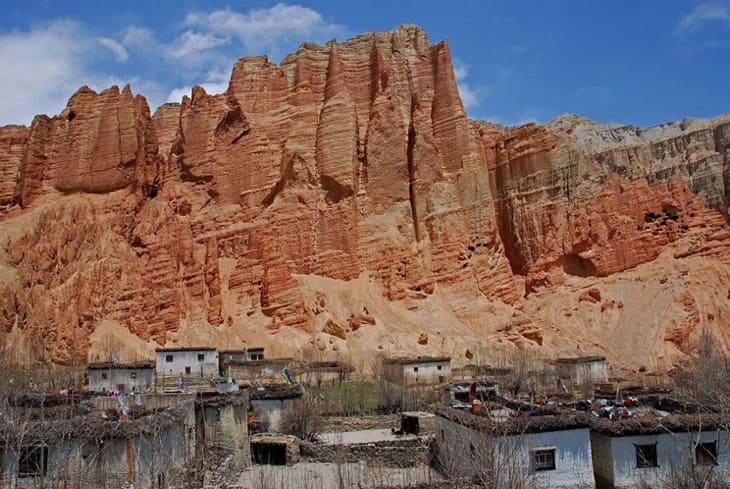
x: 345, y: 194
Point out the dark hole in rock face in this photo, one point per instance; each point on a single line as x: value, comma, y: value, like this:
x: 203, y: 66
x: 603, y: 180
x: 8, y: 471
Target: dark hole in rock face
x: 672, y: 212
x: 71, y: 115
x: 268, y: 453
x: 651, y: 216
x: 575, y: 264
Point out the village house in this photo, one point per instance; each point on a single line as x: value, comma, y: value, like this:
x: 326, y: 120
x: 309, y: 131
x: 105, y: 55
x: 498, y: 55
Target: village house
x: 70, y: 441
x: 551, y: 450
x: 417, y: 370
x: 318, y: 373
x: 267, y: 371
x: 655, y: 449
x: 245, y: 355
x: 188, y: 361
x: 124, y: 377
x: 582, y: 370
x: 89, y: 452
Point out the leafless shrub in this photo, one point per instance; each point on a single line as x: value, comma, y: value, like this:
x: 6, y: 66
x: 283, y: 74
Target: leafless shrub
x: 302, y: 419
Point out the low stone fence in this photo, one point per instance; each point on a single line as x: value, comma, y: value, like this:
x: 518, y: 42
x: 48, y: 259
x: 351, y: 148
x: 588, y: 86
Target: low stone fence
x: 398, y: 453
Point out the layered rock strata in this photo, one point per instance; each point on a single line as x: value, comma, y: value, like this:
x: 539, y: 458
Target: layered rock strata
x: 339, y: 201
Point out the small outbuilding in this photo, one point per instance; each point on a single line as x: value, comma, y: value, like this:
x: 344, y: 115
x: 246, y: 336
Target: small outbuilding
x: 581, y: 370
x: 318, y: 373
x: 266, y: 371
x: 417, y: 370
x: 124, y: 377
x: 268, y: 403
x: 188, y: 361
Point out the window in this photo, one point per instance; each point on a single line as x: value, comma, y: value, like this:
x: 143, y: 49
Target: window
x: 104, y: 376
x: 168, y: 358
x: 415, y: 369
x: 187, y: 370
x: 33, y: 461
x: 201, y: 357
x: 706, y: 453
x: 438, y: 368
x: 543, y: 458
x: 134, y: 375
x: 646, y: 455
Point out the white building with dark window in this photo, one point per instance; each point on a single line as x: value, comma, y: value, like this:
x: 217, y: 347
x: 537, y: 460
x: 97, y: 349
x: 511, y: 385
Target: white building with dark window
x: 652, y: 452
x: 187, y: 361
x: 417, y: 370
x: 545, y: 450
x: 125, y: 377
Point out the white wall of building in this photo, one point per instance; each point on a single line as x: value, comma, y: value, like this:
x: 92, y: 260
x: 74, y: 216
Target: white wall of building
x: 618, y: 466
x: 467, y: 452
x: 202, y: 363
x: 422, y: 372
x: 104, y: 380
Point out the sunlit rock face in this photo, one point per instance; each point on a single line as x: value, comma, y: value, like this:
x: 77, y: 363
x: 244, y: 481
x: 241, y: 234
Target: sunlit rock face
x: 341, y: 203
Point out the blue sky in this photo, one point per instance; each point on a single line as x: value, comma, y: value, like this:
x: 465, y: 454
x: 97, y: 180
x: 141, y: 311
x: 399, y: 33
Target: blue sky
x: 641, y: 62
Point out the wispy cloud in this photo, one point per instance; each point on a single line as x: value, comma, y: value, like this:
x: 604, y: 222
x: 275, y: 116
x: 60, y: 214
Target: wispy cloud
x: 48, y: 63
x: 266, y: 30
x: 191, y: 43
x: 703, y: 14
x: 215, y: 81
x: 471, y: 96
x: 115, y: 47
x: 43, y: 67
x: 598, y: 91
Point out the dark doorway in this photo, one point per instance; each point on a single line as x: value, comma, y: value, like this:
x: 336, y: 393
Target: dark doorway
x: 33, y: 461
x: 268, y: 453
x: 409, y: 425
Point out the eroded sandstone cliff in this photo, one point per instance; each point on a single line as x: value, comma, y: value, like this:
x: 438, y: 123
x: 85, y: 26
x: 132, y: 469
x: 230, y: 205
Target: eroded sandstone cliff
x: 341, y: 203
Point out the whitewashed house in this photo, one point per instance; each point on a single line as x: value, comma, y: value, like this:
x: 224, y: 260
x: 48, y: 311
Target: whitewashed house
x: 125, y: 377
x: 245, y: 355
x: 580, y: 370
x: 653, y: 452
x: 188, y: 361
x: 417, y: 370
x: 548, y: 450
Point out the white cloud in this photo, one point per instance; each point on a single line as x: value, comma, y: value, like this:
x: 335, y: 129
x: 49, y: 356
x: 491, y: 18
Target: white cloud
x: 191, y: 43
x: 115, y: 48
x: 139, y: 37
x: 460, y: 69
x: 41, y: 69
x: 470, y: 95
x: 266, y: 29
x: 701, y: 15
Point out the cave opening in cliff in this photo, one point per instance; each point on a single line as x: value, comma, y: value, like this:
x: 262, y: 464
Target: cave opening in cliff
x: 574, y: 264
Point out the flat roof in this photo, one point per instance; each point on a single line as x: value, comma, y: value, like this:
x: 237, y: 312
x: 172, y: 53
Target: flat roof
x: 559, y: 421
x: 128, y: 366
x: 654, y: 425
x: 241, y: 351
x: 185, y: 348
x: 412, y: 360
x: 586, y: 359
